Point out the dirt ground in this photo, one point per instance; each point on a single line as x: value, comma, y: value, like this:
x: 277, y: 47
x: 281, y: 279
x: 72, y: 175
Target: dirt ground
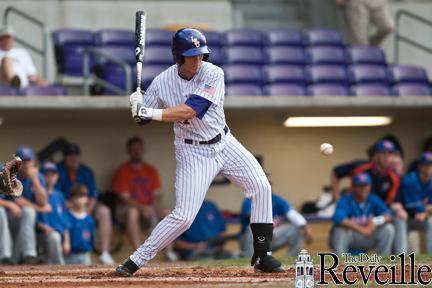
x: 177, y: 275
x: 206, y: 274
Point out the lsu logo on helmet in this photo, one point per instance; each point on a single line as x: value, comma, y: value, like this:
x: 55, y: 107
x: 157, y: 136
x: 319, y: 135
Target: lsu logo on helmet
x: 196, y: 42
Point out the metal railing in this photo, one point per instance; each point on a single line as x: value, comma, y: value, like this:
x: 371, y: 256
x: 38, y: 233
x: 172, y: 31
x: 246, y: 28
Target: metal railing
x: 405, y: 39
x: 42, y: 52
x: 90, y: 78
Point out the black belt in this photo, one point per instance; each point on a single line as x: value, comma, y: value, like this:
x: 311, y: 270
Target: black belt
x: 215, y: 140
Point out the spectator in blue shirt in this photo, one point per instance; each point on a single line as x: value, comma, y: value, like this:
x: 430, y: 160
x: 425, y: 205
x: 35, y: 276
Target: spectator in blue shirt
x: 54, y: 225
x: 81, y: 227
x: 72, y: 171
x: 416, y: 194
x: 290, y: 228
x: 362, y: 220
x: 32, y: 200
x: 196, y: 242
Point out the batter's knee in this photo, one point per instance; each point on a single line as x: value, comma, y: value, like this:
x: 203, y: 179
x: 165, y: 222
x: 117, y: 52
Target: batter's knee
x: 184, y: 221
x: 262, y: 187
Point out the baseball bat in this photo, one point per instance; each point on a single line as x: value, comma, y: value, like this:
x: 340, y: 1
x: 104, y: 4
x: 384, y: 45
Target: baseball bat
x: 140, y: 32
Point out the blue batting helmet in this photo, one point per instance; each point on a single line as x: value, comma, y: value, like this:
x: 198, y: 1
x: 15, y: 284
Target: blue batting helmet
x: 189, y: 42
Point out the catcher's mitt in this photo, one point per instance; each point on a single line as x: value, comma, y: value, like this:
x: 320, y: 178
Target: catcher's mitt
x: 9, y: 184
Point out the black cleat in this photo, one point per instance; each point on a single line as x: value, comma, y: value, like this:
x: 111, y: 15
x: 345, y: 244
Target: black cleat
x: 269, y: 264
x: 126, y: 269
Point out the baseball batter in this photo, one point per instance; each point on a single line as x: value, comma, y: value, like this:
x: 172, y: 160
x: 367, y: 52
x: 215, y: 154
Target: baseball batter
x: 191, y: 95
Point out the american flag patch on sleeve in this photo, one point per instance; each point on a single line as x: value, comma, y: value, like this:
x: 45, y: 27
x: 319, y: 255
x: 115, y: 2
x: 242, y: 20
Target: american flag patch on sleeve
x: 209, y: 89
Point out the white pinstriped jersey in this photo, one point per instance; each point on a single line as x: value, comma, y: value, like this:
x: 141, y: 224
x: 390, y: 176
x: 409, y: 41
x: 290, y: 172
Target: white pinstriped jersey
x: 197, y: 165
x: 168, y: 89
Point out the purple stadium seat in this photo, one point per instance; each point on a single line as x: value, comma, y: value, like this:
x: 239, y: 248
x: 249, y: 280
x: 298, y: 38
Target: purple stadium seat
x: 111, y: 72
x: 115, y: 75
x: 7, y: 91
x: 284, y: 74
x: 216, y: 56
x: 325, y: 55
x: 243, y: 90
x: 149, y: 72
x: 285, y: 55
x: 408, y: 74
x: 53, y: 90
x: 322, y: 37
x: 412, y: 89
x: 243, y: 37
x: 244, y: 55
x: 117, y: 37
x: 120, y: 52
x: 371, y: 90
x: 158, y: 55
x: 214, y: 39
x: 72, y: 36
x: 366, y: 55
x: 158, y: 37
x: 328, y: 90
x: 368, y: 74
x: 326, y: 74
x: 246, y: 74
x: 283, y: 37
x: 69, y: 48
x: 284, y: 90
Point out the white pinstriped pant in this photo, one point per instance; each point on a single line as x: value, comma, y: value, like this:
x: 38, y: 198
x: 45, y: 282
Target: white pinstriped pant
x: 197, y: 166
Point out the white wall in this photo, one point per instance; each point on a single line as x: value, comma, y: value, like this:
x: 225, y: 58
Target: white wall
x: 414, y: 30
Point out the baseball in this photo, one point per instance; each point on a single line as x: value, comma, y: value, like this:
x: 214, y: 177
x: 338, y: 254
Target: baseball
x: 326, y: 149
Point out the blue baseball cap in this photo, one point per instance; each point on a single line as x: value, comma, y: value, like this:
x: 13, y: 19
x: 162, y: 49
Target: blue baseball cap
x: 49, y: 167
x: 25, y: 153
x: 72, y: 149
x: 425, y: 158
x: 385, y: 146
x: 361, y: 179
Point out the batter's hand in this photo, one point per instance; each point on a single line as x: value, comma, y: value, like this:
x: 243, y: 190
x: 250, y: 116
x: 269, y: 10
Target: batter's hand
x: 135, y: 98
x: 141, y: 113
